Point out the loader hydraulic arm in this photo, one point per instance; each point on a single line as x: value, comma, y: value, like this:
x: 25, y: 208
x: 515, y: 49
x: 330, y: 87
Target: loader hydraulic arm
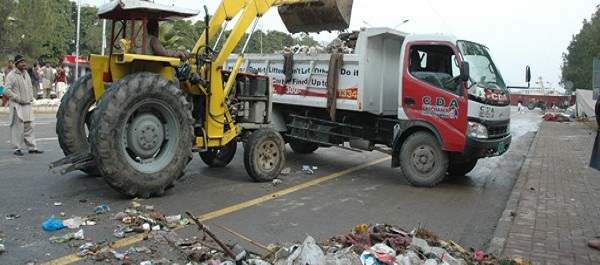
x: 311, y: 16
x: 228, y: 9
x: 218, y: 115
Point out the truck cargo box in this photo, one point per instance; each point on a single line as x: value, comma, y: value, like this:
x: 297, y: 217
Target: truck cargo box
x: 367, y: 79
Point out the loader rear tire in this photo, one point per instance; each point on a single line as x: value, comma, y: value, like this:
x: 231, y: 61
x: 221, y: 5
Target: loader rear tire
x: 303, y: 147
x: 422, y: 160
x: 219, y: 156
x: 264, y: 154
x: 142, y: 138
x: 73, y: 119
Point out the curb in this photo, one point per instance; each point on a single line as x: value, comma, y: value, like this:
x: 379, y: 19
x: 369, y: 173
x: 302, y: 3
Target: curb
x: 36, y: 109
x: 498, y: 241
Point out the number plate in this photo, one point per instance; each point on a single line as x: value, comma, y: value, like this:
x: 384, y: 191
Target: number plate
x: 501, y: 148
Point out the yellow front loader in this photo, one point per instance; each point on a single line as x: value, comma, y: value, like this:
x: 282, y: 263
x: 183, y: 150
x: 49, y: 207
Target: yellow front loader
x: 137, y: 118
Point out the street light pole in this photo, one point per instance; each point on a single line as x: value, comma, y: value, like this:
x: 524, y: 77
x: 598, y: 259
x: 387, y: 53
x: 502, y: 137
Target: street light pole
x: 103, y: 34
x: 401, y: 23
x: 77, y: 42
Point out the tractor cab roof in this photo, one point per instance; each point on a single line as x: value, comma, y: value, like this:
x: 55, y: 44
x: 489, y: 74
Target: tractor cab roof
x: 132, y: 9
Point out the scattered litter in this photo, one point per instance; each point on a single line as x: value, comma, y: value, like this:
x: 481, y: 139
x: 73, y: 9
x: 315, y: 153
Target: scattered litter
x: 67, y: 237
x: 276, y: 182
x: 173, y: 218
x: 309, y: 169
x: 53, y: 224
x: 286, y: 171
x: 57, y: 203
x: 73, y: 223
x: 556, y: 117
x: 12, y: 216
x: 102, y: 209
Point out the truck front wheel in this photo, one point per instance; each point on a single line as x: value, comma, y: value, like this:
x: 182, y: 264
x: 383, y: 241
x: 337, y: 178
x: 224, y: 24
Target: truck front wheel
x: 263, y: 154
x: 142, y: 134
x: 422, y: 160
x: 462, y: 167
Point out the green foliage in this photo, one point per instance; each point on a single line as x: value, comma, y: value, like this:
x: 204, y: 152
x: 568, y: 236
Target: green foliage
x: 46, y: 31
x: 577, y: 61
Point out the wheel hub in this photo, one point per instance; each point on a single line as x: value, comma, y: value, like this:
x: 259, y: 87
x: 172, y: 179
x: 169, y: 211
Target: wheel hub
x: 423, y: 159
x: 268, y: 154
x: 145, y: 135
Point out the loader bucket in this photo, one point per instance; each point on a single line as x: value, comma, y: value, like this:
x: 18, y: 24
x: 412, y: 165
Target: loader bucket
x: 317, y: 16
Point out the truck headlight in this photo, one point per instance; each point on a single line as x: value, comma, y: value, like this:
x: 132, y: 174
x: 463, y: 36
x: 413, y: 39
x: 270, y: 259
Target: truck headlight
x: 477, y: 130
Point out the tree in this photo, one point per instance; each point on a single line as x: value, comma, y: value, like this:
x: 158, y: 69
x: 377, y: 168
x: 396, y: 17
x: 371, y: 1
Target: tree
x: 577, y: 61
x: 6, y: 25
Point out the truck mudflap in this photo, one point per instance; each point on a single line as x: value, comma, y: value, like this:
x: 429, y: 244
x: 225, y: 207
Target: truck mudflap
x: 480, y: 148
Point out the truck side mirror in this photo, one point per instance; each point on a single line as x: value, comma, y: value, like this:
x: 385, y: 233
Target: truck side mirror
x: 464, y: 71
x: 527, y: 75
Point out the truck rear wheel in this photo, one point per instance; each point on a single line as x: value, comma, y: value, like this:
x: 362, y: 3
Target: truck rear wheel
x: 264, y: 154
x: 219, y: 156
x: 303, y: 147
x: 461, y: 168
x: 73, y: 117
x: 422, y: 160
x: 142, y: 135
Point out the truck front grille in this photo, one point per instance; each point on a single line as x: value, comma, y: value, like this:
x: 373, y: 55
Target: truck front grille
x: 497, y: 131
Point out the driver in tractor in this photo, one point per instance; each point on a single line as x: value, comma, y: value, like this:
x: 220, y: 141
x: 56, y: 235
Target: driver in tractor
x: 154, y: 46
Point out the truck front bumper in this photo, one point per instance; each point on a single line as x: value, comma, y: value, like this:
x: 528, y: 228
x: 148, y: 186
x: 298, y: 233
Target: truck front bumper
x: 479, y: 148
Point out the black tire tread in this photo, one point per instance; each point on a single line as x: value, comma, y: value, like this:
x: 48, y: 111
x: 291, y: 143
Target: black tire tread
x: 110, y: 108
x: 250, y: 154
x: 414, y: 140
x: 71, y: 118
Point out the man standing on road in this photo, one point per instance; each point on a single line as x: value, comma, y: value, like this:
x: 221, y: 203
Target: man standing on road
x: 47, y: 79
x: 19, y: 90
x: 595, y: 162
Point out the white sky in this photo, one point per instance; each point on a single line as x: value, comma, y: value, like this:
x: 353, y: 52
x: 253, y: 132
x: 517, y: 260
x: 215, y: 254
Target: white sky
x: 518, y: 33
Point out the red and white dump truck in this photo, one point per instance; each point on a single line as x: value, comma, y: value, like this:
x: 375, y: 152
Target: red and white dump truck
x: 434, y: 103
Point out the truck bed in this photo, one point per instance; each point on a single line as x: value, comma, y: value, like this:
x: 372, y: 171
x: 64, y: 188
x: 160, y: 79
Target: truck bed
x: 367, y: 80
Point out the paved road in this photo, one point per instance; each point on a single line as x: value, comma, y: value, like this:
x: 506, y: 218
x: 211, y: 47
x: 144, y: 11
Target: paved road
x: 343, y: 191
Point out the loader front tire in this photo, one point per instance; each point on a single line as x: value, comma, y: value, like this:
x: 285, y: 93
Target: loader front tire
x: 264, y: 154
x: 422, y: 160
x: 73, y: 119
x: 219, y: 156
x: 142, y: 135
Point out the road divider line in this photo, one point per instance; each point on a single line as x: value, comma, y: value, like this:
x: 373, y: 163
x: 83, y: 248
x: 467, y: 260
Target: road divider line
x: 224, y: 211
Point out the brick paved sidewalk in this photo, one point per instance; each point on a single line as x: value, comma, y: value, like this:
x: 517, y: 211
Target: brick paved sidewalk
x: 555, y: 206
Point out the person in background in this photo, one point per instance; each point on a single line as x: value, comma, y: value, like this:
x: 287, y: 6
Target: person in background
x: 35, y: 79
x: 19, y: 90
x: 61, y: 82
x: 47, y: 76
x: 595, y: 161
x: 9, y: 68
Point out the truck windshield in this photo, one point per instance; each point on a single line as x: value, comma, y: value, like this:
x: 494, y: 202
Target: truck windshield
x: 483, y: 70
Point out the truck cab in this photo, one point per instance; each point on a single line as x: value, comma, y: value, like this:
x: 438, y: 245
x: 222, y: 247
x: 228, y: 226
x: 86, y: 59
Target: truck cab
x: 472, y: 115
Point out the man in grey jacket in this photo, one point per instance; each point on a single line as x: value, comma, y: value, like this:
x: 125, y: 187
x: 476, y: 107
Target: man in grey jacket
x: 17, y: 87
x: 47, y: 79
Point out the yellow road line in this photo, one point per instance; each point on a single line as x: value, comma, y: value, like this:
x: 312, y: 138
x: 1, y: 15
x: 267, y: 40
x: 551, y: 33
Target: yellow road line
x: 227, y: 210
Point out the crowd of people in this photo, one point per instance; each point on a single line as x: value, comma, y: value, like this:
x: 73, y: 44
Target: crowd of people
x: 48, y: 82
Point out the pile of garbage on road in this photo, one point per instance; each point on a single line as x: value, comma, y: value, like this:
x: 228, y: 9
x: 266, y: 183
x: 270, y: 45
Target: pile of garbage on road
x: 364, y: 244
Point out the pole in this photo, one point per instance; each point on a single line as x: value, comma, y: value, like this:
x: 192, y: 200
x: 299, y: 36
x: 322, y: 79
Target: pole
x: 77, y: 42
x: 103, y: 34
